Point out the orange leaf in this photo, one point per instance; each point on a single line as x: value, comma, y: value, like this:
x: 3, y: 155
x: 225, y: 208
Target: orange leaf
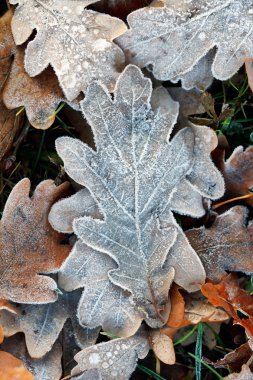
x: 228, y: 295
x: 12, y: 368
x: 177, y: 307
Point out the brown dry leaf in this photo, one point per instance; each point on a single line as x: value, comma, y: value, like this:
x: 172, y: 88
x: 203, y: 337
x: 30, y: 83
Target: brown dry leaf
x: 120, y: 8
x: 225, y: 246
x: 177, y: 307
x: 235, y: 359
x: 249, y: 71
x: 40, y: 95
x: 228, y: 295
x: 245, y: 374
x: 29, y: 245
x: 12, y: 368
x: 237, y: 172
x: 9, y: 122
x: 163, y: 347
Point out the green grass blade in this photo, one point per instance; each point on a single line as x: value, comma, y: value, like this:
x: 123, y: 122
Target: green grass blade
x: 186, y: 336
x: 206, y: 365
x: 150, y: 372
x: 198, y: 351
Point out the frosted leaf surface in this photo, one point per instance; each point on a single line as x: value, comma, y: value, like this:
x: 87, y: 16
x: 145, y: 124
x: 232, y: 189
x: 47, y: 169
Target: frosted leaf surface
x: 200, y: 76
x: 28, y: 244
x: 115, y: 359
x: 47, y: 368
x: 76, y: 42
x: 137, y: 176
x: 172, y: 38
x: 42, y: 324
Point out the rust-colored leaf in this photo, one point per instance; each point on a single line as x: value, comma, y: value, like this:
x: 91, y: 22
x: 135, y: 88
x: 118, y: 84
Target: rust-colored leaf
x: 235, y: 359
x: 1, y: 334
x: 12, y: 368
x: 228, y: 295
x: 225, y: 246
x: 177, y: 307
x: 29, y: 245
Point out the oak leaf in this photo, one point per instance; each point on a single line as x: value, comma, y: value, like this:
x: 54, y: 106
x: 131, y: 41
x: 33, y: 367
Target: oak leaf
x: 228, y: 295
x: 12, y: 368
x: 29, y: 245
x: 226, y: 245
x: 47, y: 368
x: 115, y: 359
x: 137, y: 177
x: 40, y: 96
x: 42, y: 324
x: 10, y: 124
x: 235, y: 359
x: 76, y: 42
x: 173, y: 37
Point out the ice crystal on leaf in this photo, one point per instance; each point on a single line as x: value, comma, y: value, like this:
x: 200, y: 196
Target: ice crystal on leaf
x: 137, y: 177
x: 77, y: 42
x: 173, y: 36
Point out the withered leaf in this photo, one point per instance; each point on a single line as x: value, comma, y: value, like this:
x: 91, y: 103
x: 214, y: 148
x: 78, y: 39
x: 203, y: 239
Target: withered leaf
x: 237, y: 172
x: 76, y: 42
x: 9, y: 123
x: 115, y: 359
x: 42, y: 324
x: 138, y: 177
x: 228, y: 295
x: 173, y: 37
x: 47, y: 368
x: 163, y: 347
x: 245, y: 374
x: 235, y: 359
x: 12, y: 368
x: 226, y: 245
x: 40, y: 96
x: 29, y: 245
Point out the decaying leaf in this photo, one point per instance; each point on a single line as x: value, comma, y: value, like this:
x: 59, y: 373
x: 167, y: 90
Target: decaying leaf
x: 228, y: 295
x: 237, y: 172
x: 40, y: 96
x: 42, y: 324
x: 163, y: 347
x: 137, y: 177
x: 174, y: 35
x: 28, y: 244
x: 76, y: 42
x: 9, y: 122
x: 249, y: 70
x: 12, y: 368
x: 115, y: 359
x: 47, y: 368
x: 245, y: 374
x: 226, y: 245
x: 235, y: 359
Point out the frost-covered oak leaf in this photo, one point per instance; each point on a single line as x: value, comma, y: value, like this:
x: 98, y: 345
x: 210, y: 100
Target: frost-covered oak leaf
x: 115, y: 359
x: 138, y: 177
x: 40, y: 95
x: 173, y: 37
x: 28, y: 244
x: 42, y: 324
x: 75, y: 41
x: 226, y: 245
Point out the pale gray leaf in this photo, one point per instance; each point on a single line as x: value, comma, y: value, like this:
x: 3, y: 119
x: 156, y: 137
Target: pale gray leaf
x: 75, y: 41
x: 115, y: 359
x: 172, y: 38
x: 42, y: 324
x: 133, y: 176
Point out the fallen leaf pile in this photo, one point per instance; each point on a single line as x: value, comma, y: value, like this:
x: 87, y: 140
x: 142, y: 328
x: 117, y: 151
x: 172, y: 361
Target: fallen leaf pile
x: 136, y: 260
